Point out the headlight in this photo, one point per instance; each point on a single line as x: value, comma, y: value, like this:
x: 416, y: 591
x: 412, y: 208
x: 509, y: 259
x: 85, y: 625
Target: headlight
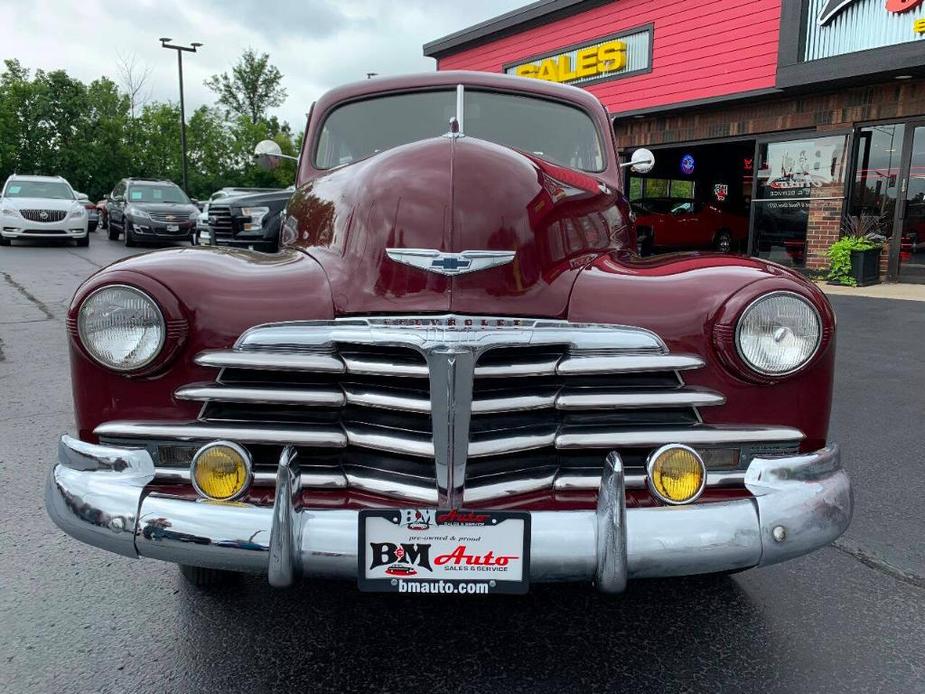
x: 778, y: 333
x: 9, y: 212
x: 121, y: 327
x: 135, y: 211
x: 78, y: 213
x: 256, y: 214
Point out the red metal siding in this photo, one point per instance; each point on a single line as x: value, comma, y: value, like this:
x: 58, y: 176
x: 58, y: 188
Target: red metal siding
x: 701, y: 50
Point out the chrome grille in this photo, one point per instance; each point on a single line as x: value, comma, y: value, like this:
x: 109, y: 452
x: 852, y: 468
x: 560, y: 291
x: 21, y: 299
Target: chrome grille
x: 451, y: 409
x: 220, y: 221
x: 46, y: 216
x: 170, y: 217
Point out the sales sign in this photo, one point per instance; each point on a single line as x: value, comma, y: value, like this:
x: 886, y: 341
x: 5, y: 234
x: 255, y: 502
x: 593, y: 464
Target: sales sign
x: 604, y: 58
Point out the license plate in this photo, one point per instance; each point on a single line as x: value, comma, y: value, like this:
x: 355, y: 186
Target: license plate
x: 447, y: 552
x: 173, y: 227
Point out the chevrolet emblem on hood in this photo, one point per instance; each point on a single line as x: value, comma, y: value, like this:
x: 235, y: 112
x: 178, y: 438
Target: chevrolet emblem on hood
x: 449, y: 263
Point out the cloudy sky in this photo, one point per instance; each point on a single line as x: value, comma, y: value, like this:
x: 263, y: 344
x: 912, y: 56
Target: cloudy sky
x: 315, y: 43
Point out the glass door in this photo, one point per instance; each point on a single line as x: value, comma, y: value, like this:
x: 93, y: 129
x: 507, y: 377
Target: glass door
x: 911, y: 213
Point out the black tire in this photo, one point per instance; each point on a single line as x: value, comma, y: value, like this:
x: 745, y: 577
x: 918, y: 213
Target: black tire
x: 206, y: 578
x: 113, y: 234
x: 5, y: 241
x: 84, y: 242
x: 723, y: 242
x: 129, y: 238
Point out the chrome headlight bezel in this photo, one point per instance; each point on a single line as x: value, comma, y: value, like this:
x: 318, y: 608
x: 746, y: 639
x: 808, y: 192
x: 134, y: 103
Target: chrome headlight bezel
x: 807, y: 359
x: 94, y: 353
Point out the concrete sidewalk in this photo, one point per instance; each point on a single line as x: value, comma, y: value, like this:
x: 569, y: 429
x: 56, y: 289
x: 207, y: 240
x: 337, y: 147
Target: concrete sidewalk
x: 886, y: 290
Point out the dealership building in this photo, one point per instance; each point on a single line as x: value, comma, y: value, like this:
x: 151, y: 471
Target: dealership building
x: 798, y: 118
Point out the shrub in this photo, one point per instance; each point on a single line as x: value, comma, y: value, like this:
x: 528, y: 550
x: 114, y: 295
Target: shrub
x: 861, y: 234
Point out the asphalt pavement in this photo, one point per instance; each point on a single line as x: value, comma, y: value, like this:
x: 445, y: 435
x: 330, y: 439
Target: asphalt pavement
x: 76, y: 619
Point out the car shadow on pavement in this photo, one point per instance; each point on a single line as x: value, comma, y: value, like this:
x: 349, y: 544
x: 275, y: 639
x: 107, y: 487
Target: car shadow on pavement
x: 556, y: 638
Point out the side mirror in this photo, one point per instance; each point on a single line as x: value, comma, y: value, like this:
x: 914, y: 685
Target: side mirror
x: 81, y: 196
x: 642, y: 161
x: 268, y: 154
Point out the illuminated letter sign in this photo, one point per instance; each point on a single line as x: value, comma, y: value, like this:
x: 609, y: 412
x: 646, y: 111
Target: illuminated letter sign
x: 591, y: 61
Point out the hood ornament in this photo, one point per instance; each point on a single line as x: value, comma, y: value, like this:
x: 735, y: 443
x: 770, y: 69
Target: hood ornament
x: 450, y: 264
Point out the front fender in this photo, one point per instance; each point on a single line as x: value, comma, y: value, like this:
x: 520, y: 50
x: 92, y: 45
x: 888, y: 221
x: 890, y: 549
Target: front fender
x: 680, y: 296
x: 219, y: 293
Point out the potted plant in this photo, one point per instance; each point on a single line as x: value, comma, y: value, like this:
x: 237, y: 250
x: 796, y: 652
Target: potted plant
x: 855, y: 257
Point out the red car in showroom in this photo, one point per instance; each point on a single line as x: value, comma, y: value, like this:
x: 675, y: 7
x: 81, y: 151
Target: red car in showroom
x: 457, y: 376
x: 664, y: 224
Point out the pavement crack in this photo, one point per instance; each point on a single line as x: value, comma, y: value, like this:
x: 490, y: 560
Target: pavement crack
x: 83, y: 257
x: 874, y: 562
x: 28, y: 295
x: 2, y: 355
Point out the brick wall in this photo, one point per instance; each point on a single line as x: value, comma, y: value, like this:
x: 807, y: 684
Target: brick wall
x: 813, y: 111
x: 824, y: 225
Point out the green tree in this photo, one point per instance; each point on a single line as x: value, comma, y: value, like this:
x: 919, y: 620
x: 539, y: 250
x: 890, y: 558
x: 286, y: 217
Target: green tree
x: 252, y: 88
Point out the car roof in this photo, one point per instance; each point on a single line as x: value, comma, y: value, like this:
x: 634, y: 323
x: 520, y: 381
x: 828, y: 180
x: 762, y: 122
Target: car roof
x: 150, y: 181
x: 469, y: 78
x: 20, y: 177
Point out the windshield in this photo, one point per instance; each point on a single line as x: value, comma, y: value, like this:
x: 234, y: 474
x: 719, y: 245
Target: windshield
x: 57, y: 190
x: 559, y: 133
x: 166, y: 192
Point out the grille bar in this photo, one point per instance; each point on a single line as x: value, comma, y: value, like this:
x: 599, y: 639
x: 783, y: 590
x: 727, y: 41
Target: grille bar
x: 693, y: 436
x: 328, y: 363
x: 568, y: 399
x: 377, y: 482
x: 591, y: 399
x: 409, y: 443
x: 634, y: 363
x: 317, y: 436
x: 272, y: 361
x: 316, y: 396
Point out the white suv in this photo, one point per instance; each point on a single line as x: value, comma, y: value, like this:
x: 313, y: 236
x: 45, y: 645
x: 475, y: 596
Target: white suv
x: 42, y: 207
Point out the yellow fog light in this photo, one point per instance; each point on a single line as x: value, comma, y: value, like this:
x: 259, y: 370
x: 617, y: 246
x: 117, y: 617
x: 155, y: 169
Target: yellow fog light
x: 677, y: 474
x: 221, y: 470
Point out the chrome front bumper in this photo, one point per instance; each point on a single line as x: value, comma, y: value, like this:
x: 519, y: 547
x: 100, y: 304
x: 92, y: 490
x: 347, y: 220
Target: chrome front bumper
x: 98, y: 494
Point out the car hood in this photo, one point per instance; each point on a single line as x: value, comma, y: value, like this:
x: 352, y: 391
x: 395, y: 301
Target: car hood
x: 280, y: 197
x: 452, y: 195
x: 40, y: 204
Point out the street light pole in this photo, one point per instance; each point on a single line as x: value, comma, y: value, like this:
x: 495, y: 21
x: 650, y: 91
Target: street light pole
x: 180, y: 50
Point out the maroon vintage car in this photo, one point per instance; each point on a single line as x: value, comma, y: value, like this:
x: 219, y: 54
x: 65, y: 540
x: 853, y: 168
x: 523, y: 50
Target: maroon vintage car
x: 457, y: 363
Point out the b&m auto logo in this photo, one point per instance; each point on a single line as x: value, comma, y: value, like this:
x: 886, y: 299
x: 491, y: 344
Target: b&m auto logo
x: 400, y: 560
x: 416, y: 519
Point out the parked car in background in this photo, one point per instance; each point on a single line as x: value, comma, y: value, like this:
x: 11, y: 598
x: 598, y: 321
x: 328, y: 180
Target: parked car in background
x: 144, y: 209
x: 101, y: 213
x: 456, y: 376
x: 248, y: 221
x: 42, y: 207
x: 93, y: 215
x: 203, y: 233
x: 664, y: 224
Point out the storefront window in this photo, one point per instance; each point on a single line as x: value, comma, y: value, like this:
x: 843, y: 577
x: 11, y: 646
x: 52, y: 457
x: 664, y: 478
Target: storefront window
x: 791, y: 175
